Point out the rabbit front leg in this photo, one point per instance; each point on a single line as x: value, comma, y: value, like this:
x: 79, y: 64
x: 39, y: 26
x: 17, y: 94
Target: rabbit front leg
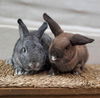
x: 77, y: 70
x: 20, y: 71
x: 53, y: 70
x: 17, y: 70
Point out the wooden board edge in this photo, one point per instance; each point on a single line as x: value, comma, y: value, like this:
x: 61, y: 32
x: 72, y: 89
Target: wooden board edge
x: 49, y: 91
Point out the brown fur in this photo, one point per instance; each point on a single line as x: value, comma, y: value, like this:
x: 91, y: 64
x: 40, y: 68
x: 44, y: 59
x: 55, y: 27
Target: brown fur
x: 68, y: 50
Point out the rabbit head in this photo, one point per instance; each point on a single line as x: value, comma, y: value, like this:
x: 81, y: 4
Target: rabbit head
x: 63, y: 44
x: 29, y: 53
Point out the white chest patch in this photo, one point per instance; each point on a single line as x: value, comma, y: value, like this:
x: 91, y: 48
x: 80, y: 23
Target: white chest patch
x: 53, y: 58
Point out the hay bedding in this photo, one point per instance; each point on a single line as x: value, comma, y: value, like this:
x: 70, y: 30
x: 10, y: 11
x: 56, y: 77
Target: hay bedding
x: 89, y: 78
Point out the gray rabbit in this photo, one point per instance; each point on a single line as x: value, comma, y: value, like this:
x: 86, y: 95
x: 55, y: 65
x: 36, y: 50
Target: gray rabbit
x: 30, y: 54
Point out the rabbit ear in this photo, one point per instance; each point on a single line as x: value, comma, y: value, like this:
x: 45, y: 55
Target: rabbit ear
x: 22, y: 29
x: 42, y: 29
x: 55, y: 28
x: 78, y: 39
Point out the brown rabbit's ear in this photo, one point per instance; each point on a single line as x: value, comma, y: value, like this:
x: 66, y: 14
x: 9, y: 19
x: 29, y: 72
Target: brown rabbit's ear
x: 78, y: 39
x: 22, y: 29
x: 55, y: 28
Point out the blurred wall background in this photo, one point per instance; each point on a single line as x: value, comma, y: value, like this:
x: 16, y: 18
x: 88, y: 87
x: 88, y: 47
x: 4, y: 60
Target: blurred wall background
x: 77, y: 16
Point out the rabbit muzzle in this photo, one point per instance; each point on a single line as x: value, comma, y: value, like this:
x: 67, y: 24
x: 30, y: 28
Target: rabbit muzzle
x: 34, y: 66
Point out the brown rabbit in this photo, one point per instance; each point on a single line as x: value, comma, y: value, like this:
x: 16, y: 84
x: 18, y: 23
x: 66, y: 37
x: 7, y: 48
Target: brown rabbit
x: 67, y: 51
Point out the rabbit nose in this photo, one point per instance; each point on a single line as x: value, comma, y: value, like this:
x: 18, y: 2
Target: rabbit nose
x: 34, y: 65
x: 31, y: 65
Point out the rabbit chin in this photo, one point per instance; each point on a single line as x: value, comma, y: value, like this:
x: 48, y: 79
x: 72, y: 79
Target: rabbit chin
x: 53, y: 59
x: 35, y: 67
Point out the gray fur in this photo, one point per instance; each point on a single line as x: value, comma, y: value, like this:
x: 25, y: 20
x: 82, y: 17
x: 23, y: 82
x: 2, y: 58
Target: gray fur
x: 30, y: 53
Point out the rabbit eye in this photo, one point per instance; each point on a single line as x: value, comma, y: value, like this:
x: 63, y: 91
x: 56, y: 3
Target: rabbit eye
x: 23, y: 49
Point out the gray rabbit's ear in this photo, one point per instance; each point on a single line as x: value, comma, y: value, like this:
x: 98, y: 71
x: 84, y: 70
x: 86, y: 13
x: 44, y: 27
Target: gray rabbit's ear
x: 55, y: 28
x: 42, y: 29
x: 22, y: 29
x: 78, y: 39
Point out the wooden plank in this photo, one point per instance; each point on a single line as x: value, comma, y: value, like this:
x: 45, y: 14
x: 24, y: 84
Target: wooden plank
x: 49, y: 91
x: 53, y: 96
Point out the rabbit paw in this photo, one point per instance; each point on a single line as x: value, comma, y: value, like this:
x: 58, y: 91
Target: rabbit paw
x: 53, y: 72
x: 20, y: 72
x: 77, y: 72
